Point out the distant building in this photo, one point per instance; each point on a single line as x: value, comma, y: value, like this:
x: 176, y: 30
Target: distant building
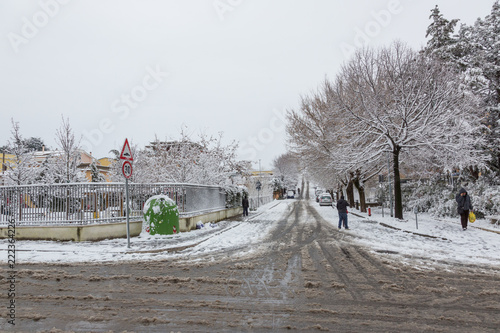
x: 86, y: 159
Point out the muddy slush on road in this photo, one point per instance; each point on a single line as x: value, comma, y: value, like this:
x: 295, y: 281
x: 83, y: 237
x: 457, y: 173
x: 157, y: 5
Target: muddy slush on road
x: 304, y: 276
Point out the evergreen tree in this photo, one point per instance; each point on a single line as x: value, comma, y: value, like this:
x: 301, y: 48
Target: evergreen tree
x: 97, y: 177
x: 441, y: 39
x: 475, y: 52
x: 34, y: 144
x: 486, y: 59
x: 44, y: 176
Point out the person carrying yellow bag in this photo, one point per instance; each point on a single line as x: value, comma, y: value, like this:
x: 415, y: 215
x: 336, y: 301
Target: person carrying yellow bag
x: 464, y: 207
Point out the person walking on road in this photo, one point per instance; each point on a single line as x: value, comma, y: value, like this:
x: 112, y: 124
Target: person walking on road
x: 245, y: 205
x: 342, y: 210
x: 464, y: 207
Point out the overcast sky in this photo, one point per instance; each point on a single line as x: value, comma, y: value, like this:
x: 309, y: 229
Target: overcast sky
x: 139, y: 68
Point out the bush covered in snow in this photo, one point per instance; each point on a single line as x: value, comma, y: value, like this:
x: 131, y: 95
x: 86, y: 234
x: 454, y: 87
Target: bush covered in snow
x: 485, y: 199
x: 276, y: 184
x: 438, y: 197
x: 234, y: 195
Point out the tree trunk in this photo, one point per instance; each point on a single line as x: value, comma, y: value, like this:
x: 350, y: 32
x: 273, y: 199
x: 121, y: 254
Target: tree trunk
x: 398, y: 200
x: 361, y: 191
x: 350, y: 193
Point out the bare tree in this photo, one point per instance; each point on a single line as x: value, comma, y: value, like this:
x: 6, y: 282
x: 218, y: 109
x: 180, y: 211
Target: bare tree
x: 65, y: 165
x: 321, y: 137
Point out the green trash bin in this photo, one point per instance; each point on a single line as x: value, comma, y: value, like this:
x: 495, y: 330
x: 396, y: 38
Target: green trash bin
x: 161, y: 215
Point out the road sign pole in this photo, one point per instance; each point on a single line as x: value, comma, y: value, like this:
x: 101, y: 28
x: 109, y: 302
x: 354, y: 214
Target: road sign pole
x: 126, y: 156
x: 127, y: 213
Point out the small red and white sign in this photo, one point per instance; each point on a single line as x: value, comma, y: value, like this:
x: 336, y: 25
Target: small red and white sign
x: 126, y: 153
x: 127, y: 169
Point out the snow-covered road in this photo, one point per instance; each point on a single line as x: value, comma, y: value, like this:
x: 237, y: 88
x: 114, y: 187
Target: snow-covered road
x: 447, y: 243
x: 286, y: 267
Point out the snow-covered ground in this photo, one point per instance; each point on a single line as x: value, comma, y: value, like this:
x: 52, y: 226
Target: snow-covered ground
x: 447, y: 242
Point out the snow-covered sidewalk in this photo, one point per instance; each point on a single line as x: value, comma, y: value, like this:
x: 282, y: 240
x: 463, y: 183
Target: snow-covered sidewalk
x: 439, y: 239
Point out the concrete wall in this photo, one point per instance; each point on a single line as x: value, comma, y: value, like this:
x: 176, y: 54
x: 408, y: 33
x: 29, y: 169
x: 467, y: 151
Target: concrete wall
x: 97, y: 232
x: 75, y: 233
x: 189, y: 223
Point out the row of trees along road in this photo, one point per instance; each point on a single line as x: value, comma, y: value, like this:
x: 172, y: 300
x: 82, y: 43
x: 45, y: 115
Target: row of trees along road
x: 391, y: 100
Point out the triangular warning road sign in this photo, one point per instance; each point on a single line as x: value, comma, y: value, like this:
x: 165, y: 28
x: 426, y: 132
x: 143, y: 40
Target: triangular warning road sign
x: 126, y: 153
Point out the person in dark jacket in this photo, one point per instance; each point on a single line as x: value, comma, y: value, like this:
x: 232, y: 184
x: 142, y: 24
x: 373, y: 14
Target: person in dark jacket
x: 245, y: 205
x: 342, y: 209
x: 464, y: 207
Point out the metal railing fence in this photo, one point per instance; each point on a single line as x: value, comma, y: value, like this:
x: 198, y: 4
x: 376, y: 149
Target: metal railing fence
x: 98, y: 203
x: 257, y: 201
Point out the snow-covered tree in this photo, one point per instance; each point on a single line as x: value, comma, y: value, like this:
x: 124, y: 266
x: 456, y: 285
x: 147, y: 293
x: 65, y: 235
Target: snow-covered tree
x: 45, y: 173
x: 95, y: 174
x: 141, y: 174
x: 286, y: 167
x: 277, y: 184
x: 34, y: 144
x: 320, y: 137
x: 440, y: 32
x: 22, y: 169
x: 474, y: 51
x: 64, y: 163
x: 313, y: 131
x: 388, y: 101
x: 396, y: 100
x: 204, y: 161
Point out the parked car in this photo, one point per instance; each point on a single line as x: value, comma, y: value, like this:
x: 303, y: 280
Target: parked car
x: 290, y: 194
x: 325, y: 199
x: 318, y: 193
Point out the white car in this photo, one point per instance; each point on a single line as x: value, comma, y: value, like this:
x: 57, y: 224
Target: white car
x: 325, y: 199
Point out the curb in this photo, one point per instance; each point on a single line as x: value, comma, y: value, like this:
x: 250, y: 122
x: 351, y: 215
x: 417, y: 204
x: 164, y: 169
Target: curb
x: 409, y: 232
x: 484, y: 229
